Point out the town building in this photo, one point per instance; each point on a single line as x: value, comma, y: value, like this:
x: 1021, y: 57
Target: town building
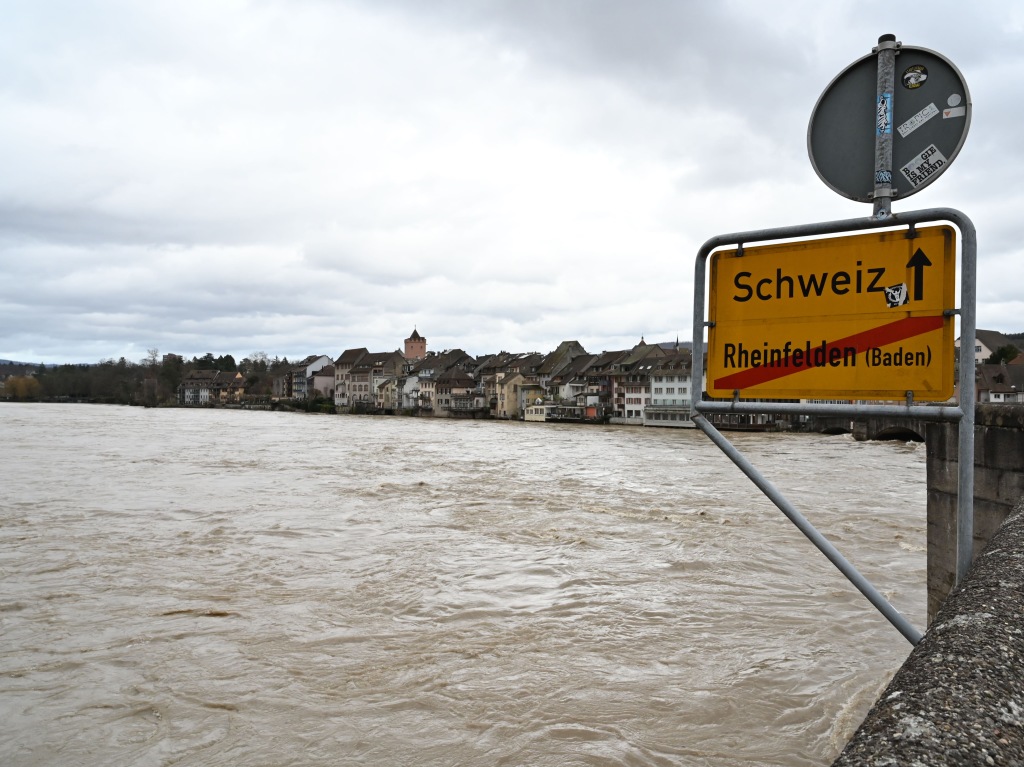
x: 457, y: 394
x: 630, y: 379
x: 321, y: 383
x: 671, y: 389
x: 204, y: 388
x: 366, y: 376
x: 419, y: 387
x: 999, y: 384
x: 343, y: 375
x: 987, y: 342
x: 415, y: 346
x: 294, y: 382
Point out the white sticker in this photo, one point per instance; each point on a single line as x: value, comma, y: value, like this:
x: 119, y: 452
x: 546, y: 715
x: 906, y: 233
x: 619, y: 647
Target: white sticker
x: 924, y: 166
x: 918, y: 120
x: 953, y: 100
x: 954, y: 112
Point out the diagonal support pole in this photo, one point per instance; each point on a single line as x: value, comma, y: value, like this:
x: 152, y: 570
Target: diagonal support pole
x: 823, y: 544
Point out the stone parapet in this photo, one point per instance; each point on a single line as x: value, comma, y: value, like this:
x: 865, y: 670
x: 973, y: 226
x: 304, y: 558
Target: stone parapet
x: 998, y: 484
x: 959, y: 698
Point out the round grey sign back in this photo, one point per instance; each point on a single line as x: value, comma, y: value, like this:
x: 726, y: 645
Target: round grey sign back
x: 931, y: 112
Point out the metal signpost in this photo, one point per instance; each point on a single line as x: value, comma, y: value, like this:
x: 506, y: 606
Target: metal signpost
x: 860, y: 317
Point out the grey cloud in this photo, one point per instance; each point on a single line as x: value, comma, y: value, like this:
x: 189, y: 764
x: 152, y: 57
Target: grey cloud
x: 308, y: 176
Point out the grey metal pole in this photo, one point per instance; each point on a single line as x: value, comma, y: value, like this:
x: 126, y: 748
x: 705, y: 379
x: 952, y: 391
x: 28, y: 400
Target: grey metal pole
x: 965, y: 479
x: 823, y: 544
x: 884, y: 94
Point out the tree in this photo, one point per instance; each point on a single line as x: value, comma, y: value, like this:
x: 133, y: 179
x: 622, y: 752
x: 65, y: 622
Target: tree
x: 170, y: 375
x: 22, y: 387
x: 152, y: 355
x: 67, y: 381
x: 1003, y: 354
x: 258, y: 362
x: 226, y: 363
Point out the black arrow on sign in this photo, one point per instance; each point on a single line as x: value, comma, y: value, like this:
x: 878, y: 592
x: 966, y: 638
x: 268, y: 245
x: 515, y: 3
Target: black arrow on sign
x: 918, y: 261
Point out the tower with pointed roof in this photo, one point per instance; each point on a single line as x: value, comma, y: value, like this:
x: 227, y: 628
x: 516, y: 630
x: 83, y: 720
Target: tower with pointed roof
x: 415, y: 346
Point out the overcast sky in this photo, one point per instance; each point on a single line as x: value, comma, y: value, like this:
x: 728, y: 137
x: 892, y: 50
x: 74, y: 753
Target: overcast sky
x: 306, y: 176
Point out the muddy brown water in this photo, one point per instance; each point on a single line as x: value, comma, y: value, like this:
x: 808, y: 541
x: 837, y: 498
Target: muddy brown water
x: 204, y: 587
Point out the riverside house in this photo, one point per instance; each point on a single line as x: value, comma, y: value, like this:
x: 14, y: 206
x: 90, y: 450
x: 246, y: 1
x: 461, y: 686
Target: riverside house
x: 568, y: 383
x: 211, y: 387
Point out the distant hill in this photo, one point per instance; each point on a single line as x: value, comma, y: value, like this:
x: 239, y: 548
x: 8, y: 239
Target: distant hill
x: 33, y: 365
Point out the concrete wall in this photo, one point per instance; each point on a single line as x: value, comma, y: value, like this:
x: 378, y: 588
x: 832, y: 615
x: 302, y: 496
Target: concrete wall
x: 998, y: 485
x: 958, y: 700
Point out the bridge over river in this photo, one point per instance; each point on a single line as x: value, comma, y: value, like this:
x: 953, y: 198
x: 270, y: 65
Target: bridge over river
x: 905, y: 429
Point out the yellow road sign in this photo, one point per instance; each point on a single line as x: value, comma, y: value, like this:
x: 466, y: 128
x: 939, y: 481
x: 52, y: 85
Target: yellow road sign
x: 852, y: 317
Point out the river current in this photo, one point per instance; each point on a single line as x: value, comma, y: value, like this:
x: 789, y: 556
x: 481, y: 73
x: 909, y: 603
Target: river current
x: 212, y: 587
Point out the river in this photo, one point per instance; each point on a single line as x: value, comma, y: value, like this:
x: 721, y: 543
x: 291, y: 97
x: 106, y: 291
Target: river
x: 214, y: 587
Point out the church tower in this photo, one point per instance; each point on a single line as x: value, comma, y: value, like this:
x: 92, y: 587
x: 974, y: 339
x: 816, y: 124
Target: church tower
x: 415, y: 346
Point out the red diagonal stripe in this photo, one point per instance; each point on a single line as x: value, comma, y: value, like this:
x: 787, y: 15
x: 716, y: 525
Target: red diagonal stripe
x: 900, y: 330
